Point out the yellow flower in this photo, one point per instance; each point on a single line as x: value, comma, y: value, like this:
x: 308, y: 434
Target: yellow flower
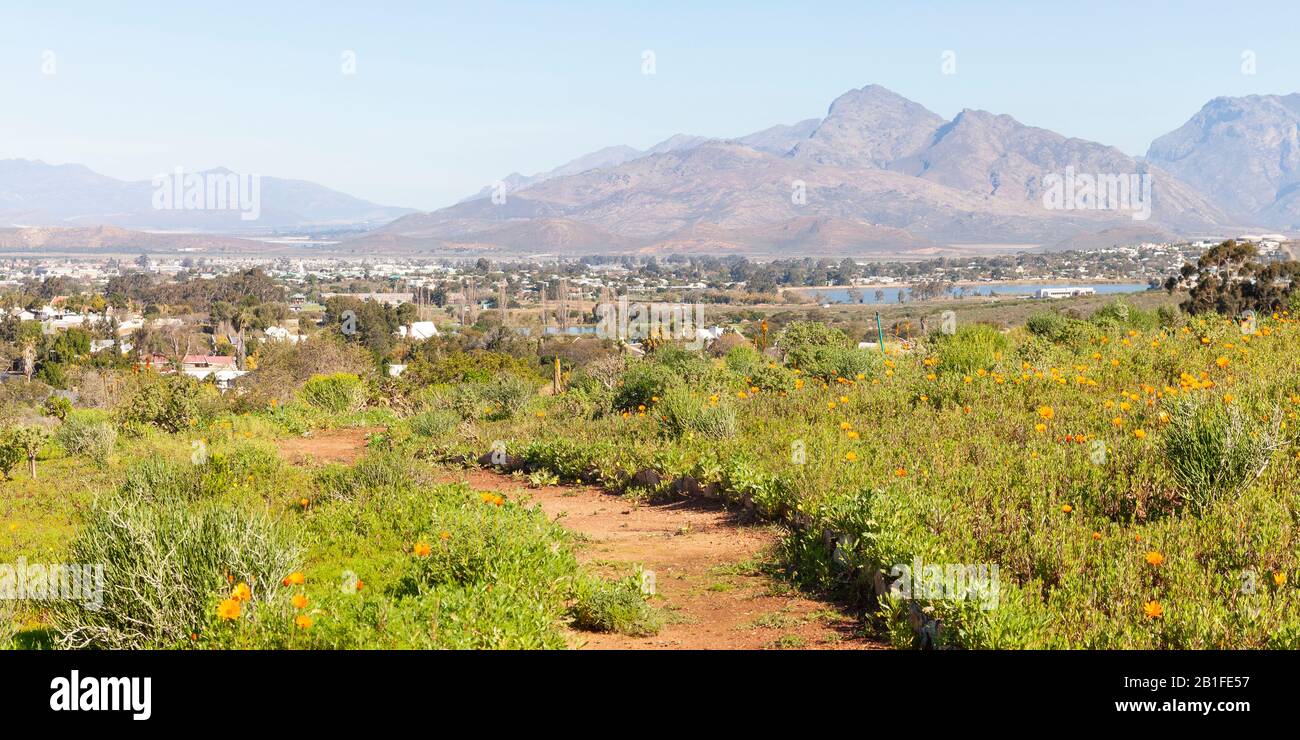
x: 1096, y: 535
x: 1040, y: 427
x: 1066, y: 508
x: 850, y: 456
x: 241, y: 592
x: 228, y: 609
x: 1155, y: 558
x: 1117, y: 421
x: 900, y: 472
x: 303, y: 622
x: 852, y: 435
x: 1140, y: 434
x: 299, y: 601
x: 1153, y: 610
x: 1279, y: 578
x: 422, y: 549
x: 1046, y: 412
x: 294, y: 579
x: 1222, y: 361
x: 845, y: 425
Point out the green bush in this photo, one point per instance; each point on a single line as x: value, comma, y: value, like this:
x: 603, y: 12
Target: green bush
x: 1060, y: 329
x: 615, y: 606
x: 801, y: 335
x: 89, y: 434
x: 57, y: 406
x: 433, y: 424
x: 1214, y: 451
x: 772, y: 379
x: 170, y: 403
x: 499, y: 398
x: 165, y: 565
x: 338, y: 393
x: 641, y: 383
x: 970, y: 348
x: 743, y: 359
x: 685, y: 412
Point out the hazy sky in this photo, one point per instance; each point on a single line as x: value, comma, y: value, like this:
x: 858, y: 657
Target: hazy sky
x: 447, y: 97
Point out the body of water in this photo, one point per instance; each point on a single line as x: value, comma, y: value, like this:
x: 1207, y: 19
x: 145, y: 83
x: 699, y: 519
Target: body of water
x: 868, y: 295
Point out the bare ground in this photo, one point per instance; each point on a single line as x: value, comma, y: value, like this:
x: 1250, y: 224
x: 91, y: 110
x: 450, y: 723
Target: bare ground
x: 707, y: 567
x: 708, y: 564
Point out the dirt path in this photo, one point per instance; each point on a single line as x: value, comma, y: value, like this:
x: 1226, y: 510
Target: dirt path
x: 332, y: 445
x: 707, y: 564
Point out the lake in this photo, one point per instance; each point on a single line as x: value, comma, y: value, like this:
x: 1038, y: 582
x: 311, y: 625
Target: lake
x: 841, y: 295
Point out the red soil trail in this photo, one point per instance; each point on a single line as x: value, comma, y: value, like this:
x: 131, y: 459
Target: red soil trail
x: 706, y: 561
x: 705, y: 565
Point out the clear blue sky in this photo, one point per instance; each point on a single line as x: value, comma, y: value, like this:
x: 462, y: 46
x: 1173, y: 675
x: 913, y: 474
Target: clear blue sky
x: 450, y: 96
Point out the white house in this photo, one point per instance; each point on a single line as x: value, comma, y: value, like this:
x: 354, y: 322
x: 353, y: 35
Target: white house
x: 418, y: 330
x: 1052, y: 293
x: 281, y: 334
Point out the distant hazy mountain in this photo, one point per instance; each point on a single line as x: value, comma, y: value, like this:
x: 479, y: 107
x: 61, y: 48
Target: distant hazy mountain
x: 871, y: 127
x: 33, y: 193
x: 43, y: 240
x: 879, y: 173
x: 778, y: 139
x: 1244, y: 153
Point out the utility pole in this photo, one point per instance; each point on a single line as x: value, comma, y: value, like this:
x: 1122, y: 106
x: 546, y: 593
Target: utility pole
x: 564, y: 305
x: 501, y: 300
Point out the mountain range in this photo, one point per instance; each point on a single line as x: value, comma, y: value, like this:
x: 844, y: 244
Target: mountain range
x: 36, y: 194
x: 879, y: 174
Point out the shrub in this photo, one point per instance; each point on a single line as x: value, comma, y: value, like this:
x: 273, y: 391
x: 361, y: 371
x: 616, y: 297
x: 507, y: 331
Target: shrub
x: 1215, y: 452
x: 1059, y: 329
x: 57, y: 406
x: 641, y: 384
x: 19, y: 445
x: 685, y: 412
x: 801, y: 335
x: 772, y: 378
x: 498, y: 398
x: 372, y: 474
x: 339, y: 393
x: 615, y: 606
x: 433, y: 424
x: 88, y: 434
x: 971, y: 348
x: 170, y: 403
x: 165, y: 566
x: 10, y: 454
x: 742, y: 359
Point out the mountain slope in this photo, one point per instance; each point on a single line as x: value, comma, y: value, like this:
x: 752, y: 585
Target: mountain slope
x: 33, y: 193
x: 878, y: 170
x: 1244, y: 153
